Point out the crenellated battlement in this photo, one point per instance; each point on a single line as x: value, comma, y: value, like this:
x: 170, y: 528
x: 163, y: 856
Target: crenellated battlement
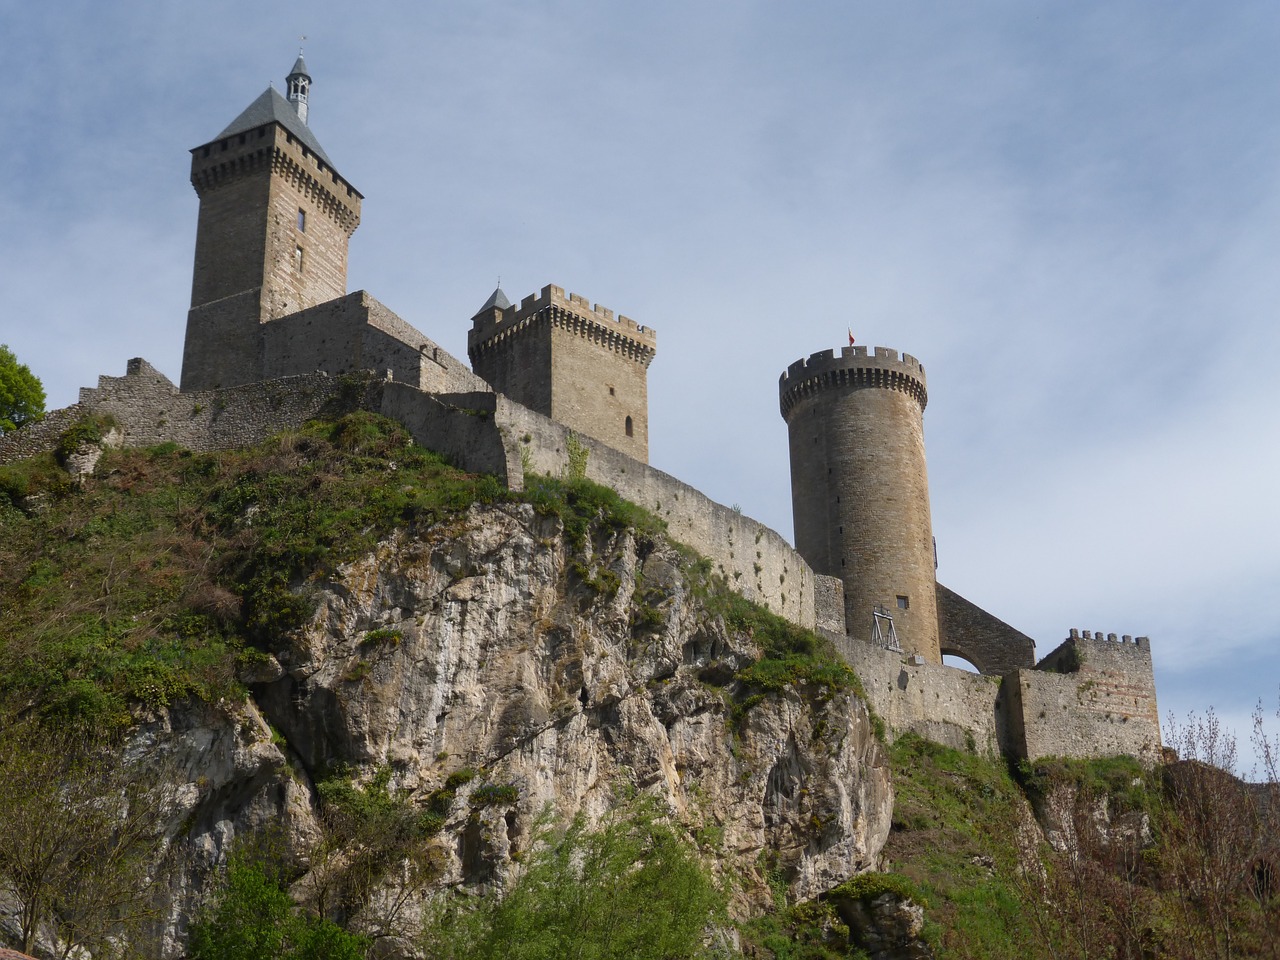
x: 1091, y: 650
x: 575, y: 313
x: 270, y: 147
x: 852, y: 369
x: 1142, y: 643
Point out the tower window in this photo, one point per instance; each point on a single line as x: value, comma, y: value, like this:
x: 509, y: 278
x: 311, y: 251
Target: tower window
x: 629, y: 428
x: 611, y: 392
x: 297, y: 258
x: 302, y: 221
x: 904, y: 603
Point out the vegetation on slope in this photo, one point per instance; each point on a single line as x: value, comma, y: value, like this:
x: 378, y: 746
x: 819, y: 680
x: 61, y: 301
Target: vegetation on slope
x: 166, y: 571
x: 630, y: 888
x: 165, y: 574
x: 158, y: 577
x: 1172, y: 863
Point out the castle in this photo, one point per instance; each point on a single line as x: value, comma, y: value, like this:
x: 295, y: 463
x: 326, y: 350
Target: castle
x: 272, y: 331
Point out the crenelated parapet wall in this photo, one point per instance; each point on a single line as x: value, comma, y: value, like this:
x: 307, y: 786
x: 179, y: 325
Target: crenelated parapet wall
x: 1140, y: 642
x: 272, y: 148
x: 852, y: 369
x: 493, y: 329
x: 1094, y: 695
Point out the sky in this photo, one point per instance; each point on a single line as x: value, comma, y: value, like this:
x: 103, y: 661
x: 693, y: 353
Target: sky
x: 1069, y: 212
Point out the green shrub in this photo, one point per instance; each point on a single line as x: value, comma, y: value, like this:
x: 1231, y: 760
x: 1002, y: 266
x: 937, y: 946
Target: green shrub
x: 630, y: 888
x: 253, y: 918
x: 383, y: 635
x: 89, y: 430
x: 493, y: 795
x: 868, y: 886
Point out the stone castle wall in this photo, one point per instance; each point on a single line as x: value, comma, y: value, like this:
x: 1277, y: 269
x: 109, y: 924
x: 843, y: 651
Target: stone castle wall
x: 987, y: 642
x: 755, y: 560
x: 965, y: 711
x: 1092, y: 696
x: 356, y: 333
x: 41, y: 436
x: 150, y: 410
x: 223, y: 345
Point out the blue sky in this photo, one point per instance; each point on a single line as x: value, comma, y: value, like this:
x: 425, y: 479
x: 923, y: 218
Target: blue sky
x: 1068, y: 212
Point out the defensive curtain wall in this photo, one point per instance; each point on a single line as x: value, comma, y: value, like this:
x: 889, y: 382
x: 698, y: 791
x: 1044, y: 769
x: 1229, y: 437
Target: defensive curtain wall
x: 482, y: 432
x: 1092, y: 696
x: 356, y: 332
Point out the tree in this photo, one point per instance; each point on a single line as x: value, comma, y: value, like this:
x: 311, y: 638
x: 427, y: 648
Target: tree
x: 254, y: 918
x: 630, y: 888
x: 21, y: 393
x: 81, y: 845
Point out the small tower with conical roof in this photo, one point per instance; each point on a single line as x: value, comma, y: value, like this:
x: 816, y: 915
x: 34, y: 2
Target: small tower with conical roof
x: 271, y: 239
x: 299, y: 85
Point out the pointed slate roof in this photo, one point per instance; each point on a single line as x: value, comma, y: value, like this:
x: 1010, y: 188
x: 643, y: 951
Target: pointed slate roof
x: 270, y: 106
x: 497, y: 301
x: 299, y: 67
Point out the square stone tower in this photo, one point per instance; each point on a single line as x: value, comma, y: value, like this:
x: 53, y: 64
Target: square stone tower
x: 275, y: 219
x: 575, y: 363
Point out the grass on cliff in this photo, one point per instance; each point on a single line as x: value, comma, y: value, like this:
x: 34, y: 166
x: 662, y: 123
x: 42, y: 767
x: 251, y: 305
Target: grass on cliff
x: 159, y: 575
x: 790, y: 655
x: 956, y: 821
x: 164, y: 572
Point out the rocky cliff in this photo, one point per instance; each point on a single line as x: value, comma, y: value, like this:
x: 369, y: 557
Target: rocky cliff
x: 489, y: 655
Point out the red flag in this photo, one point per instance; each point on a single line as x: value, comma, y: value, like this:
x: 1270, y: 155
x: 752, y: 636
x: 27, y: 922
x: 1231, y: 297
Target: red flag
x: 851, y: 336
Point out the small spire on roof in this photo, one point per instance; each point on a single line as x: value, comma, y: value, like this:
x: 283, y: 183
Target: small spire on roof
x: 497, y: 300
x: 299, y: 81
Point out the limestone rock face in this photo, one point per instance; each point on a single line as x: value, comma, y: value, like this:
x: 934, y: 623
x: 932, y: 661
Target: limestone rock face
x: 1078, y: 824
x: 572, y: 674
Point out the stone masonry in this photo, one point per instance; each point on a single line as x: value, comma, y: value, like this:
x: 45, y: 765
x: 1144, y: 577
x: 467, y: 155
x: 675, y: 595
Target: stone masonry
x: 859, y: 487
x: 271, y: 238
x: 577, y: 364
x: 1092, y: 695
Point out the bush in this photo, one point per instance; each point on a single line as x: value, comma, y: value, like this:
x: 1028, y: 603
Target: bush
x: 630, y: 888
x: 84, y: 432
x: 253, y: 918
x: 868, y: 886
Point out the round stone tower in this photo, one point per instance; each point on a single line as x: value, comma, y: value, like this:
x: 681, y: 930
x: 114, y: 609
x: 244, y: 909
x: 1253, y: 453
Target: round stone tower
x: 860, y: 490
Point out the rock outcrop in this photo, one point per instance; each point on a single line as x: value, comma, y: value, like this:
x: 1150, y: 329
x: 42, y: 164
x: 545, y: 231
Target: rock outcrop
x: 558, y: 677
